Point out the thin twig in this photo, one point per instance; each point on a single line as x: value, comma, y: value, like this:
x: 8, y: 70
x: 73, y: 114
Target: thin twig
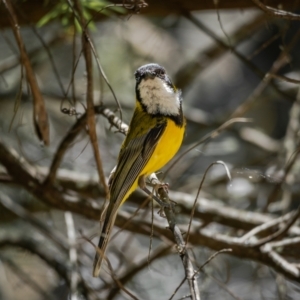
x: 265, y: 226
x: 91, y: 122
x: 74, y: 131
x: 291, y: 216
x: 26, y: 278
x: 223, y: 286
x: 205, y: 139
x: 18, y: 210
x: 178, y: 287
x: 72, y: 254
x: 34, y: 246
x: 198, y: 192
x: 112, y: 273
x: 63, y: 146
x: 279, y: 63
x: 84, y: 26
x: 204, y: 58
x: 216, y: 3
x: 273, y: 195
x: 280, y: 233
x: 159, y: 252
x: 132, y: 216
x: 28, y: 177
x: 277, y: 12
x: 284, y: 78
x: 278, y: 259
x: 212, y: 257
x: 40, y: 116
x: 181, y: 247
x: 220, y: 42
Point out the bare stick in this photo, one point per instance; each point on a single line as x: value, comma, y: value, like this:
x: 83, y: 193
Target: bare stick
x: 264, y: 226
x: 34, y: 246
x: 159, y: 252
x: 72, y: 254
x: 90, y: 95
x: 25, y: 278
x: 63, y: 146
x: 277, y: 12
x: 220, y: 42
x: 28, y: 177
x: 181, y: 246
x: 279, y: 63
x: 40, y: 116
x: 116, y: 280
x: 280, y: 233
x: 199, y: 189
x: 212, y: 257
x: 278, y: 259
x: 207, y: 137
x: 23, y: 214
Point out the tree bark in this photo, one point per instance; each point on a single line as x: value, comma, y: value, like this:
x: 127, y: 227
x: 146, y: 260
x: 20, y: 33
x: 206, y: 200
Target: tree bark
x: 31, y: 11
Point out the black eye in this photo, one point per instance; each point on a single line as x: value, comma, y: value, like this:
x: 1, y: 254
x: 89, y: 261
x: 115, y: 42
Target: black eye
x: 160, y: 72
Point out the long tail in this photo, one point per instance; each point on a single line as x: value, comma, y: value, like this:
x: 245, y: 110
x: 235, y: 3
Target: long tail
x: 108, y: 224
x: 114, y: 203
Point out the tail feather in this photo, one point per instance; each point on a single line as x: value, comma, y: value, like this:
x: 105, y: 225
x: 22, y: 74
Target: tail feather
x: 103, y: 242
x: 109, y: 214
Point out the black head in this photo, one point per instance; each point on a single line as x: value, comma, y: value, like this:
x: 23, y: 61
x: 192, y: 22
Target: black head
x: 156, y: 93
x: 151, y: 71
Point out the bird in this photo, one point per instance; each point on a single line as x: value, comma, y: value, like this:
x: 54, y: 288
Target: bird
x: 155, y: 134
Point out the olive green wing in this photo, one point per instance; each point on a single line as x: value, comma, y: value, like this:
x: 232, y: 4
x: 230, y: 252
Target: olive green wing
x: 136, y: 152
x: 133, y: 157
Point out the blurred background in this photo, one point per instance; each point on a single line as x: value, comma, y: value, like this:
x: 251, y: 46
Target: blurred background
x: 232, y: 62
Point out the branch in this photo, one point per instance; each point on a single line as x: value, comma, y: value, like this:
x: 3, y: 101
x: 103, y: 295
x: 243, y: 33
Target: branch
x: 181, y: 245
x: 29, y: 178
x: 86, y: 186
x: 34, y: 246
x: 278, y: 13
x: 35, y: 9
x: 279, y: 63
x: 191, y: 69
x: 40, y: 117
x: 74, y: 131
x: 256, y: 70
x: 131, y: 271
x: 91, y: 122
x: 25, y: 278
x: 216, y: 241
x: 278, y: 259
x: 289, y: 219
x: 23, y: 214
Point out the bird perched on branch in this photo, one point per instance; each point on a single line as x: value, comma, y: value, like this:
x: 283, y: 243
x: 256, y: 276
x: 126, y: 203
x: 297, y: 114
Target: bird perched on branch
x: 155, y: 134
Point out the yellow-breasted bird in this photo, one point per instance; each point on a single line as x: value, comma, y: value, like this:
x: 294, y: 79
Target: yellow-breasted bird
x: 155, y: 134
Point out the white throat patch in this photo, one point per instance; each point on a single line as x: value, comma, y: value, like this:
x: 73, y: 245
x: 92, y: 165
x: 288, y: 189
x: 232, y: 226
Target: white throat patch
x: 158, y: 97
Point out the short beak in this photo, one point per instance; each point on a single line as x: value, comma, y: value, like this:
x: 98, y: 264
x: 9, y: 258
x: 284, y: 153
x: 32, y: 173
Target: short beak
x: 149, y: 75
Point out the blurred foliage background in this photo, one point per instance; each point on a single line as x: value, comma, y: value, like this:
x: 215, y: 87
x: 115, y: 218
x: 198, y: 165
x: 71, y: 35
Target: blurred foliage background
x: 237, y: 61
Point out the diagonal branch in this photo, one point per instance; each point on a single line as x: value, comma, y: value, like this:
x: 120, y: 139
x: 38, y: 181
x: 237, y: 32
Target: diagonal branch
x: 278, y: 13
x: 22, y: 213
x: 40, y: 117
x: 33, y: 246
x: 177, y: 235
x: 91, y: 122
x: 74, y: 131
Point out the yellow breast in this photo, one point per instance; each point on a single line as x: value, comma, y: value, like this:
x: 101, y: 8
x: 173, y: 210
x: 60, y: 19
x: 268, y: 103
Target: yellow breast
x: 166, y: 148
